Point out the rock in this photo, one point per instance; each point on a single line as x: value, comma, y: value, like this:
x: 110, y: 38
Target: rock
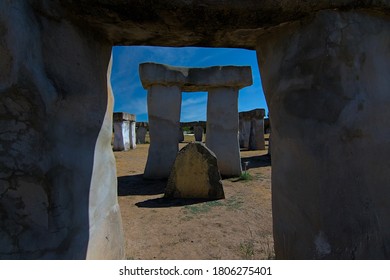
x: 195, y: 174
x: 165, y: 84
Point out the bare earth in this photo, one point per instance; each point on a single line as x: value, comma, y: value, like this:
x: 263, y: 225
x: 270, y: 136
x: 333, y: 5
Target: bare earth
x: 237, y: 227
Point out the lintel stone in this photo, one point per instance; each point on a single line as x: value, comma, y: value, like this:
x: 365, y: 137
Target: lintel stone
x: 195, y: 79
x: 122, y: 116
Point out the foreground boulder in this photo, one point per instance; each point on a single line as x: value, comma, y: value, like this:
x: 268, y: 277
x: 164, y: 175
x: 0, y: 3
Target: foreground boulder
x: 195, y: 174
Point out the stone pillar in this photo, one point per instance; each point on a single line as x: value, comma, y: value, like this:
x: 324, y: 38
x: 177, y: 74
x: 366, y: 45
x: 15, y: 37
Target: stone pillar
x: 256, y: 139
x: 222, y: 129
x: 141, y: 134
x: 251, y: 125
x: 180, y: 135
x: 58, y: 192
x: 124, y: 131
x: 164, y: 84
x: 329, y: 102
x: 198, y: 133
x: 133, y: 137
x: 244, y: 131
x: 164, y: 105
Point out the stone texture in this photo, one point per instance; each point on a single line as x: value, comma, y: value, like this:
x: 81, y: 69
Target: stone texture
x: 205, y: 23
x: 124, y: 131
x: 195, y: 79
x: 58, y: 195
x: 198, y: 133
x: 223, y: 84
x: 164, y: 105
x: 251, y: 126
x: 222, y: 130
x: 122, y: 116
x: 141, y: 134
x: 195, y: 174
x: 324, y: 96
x: 329, y: 105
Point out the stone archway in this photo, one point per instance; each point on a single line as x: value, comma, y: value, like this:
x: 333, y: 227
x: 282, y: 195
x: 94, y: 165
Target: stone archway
x: 324, y: 68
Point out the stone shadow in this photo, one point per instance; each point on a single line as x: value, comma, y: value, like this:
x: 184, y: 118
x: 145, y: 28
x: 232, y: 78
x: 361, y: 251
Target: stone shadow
x: 256, y: 161
x: 137, y: 185
x: 163, y: 202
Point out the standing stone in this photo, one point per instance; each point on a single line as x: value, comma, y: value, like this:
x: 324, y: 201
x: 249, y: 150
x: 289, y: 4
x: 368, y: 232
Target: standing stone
x: 244, y: 131
x: 222, y: 129
x: 198, y: 133
x: 180, y: 137
x: 132, y: 135
x: 141, y: 134
x: 329, y: 103
x: 256, y: 139
x: 251, y: 125
x: 195, y: 174
x: 124, y: 131
x: 164, y: 104
x: 222, y: 83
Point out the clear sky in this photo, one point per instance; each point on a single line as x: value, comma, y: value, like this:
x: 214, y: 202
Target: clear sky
x: 130, y: 97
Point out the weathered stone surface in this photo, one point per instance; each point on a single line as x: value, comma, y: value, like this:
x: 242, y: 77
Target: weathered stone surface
x: 325, y: 95
x: 222, y: 130
x: 195, y: 174
x: 186, y: 23
x: 222, y: 84
x: 54, y: 58
x: 122, y: 116
x: 198, y: 133
x: 58, y: 196
x: 195, y: 79
x: 141, y: 134
x: 163, y: 130
x: 121, y: 136
x: 124, y: 131
x: 251, y: 125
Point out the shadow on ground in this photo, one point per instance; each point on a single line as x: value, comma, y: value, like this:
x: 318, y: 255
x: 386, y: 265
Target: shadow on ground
x: 256, y: 161
x: 137, y: 185
x: 168, y: 202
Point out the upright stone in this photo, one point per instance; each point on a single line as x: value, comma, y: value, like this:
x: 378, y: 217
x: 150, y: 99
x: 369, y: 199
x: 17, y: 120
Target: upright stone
x: 251, y: 125
x: 222, y: 83
x: 244, y: 131
x: 124, y: 131
x: 141, y: 134
x: 198, y: 133
x: 164, y: 104
x: 195, y: 174
x: 329, y: 103
x: 180, y: 135
x: 222, y: 129
x: 256, y: 139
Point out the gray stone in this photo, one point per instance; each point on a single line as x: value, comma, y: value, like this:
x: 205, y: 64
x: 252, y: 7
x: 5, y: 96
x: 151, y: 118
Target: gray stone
x: 198, y: 133
x: 164, y: 105
x: 222, y: 83
x: 251, y: 125
x: 141, y: 134
x: 195, y: 174
x: 195, y: 79
x: 329, y: 105
x: 222, y: 130
x: 124, y: 131
x: 328, y: 99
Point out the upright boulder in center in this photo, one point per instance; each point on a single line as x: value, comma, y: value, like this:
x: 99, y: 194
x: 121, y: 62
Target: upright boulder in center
x: 195, y: 174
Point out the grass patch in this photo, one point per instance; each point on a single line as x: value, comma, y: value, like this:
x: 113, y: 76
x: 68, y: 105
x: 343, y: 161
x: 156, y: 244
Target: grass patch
x: 245, y: 176
x: 203, y: 207
x: 247, y: 249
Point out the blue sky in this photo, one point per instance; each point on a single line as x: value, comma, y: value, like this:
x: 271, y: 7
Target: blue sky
x: 130, y: 97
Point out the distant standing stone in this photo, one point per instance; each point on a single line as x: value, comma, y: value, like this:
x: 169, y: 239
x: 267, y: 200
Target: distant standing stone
x: 195, y: 174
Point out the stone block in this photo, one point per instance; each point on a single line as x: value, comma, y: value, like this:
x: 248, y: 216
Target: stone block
x: 195, y: 174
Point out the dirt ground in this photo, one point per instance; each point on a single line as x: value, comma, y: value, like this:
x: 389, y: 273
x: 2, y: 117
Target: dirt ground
x: 237, y: 227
